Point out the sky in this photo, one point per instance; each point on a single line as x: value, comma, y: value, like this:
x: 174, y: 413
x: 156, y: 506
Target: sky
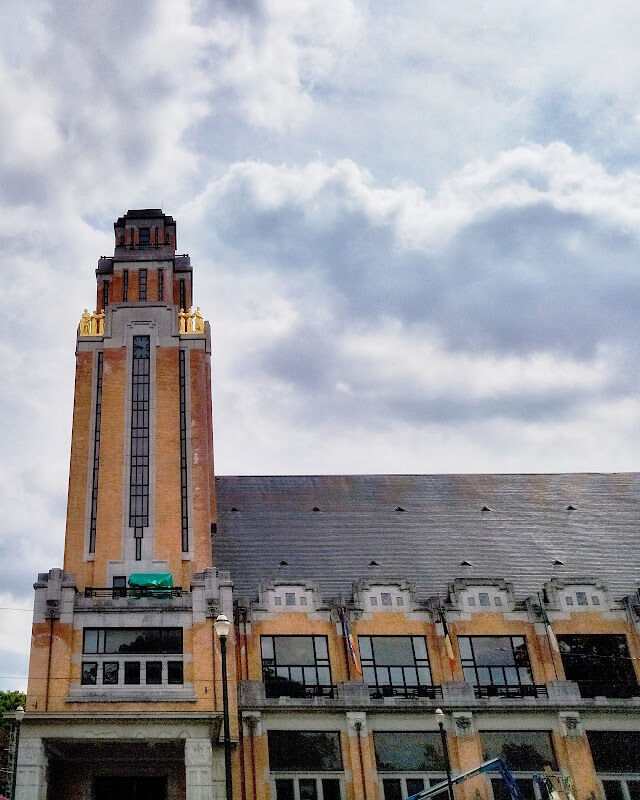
x: 414, y: 227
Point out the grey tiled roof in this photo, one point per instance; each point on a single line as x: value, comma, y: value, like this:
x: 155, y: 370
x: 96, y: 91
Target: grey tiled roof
x: 443, y: 524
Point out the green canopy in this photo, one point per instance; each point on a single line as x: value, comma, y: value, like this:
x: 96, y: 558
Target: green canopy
x: 151, y: 580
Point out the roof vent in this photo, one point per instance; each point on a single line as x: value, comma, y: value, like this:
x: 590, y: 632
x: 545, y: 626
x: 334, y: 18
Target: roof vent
x: 399, y: 508
x: 571, y: 508
x: 465, y: 564
x: 373, y: 564
x: 315, y: 508
x: 234, y: 509
x: 486, y: 508
x: 283, y: 564
x: 558, y: 563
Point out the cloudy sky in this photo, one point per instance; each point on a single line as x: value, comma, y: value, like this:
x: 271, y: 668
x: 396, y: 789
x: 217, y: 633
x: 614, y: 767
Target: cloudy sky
x: 415, y: 228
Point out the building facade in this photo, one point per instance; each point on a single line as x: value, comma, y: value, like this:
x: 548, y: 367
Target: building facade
x: 360, y: 604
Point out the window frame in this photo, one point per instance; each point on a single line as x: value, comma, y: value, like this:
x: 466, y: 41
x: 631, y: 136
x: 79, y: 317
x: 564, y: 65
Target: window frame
x: 379, y: 690
x: 491, y: 687
x: 282, y: 686
x: 297, y: 776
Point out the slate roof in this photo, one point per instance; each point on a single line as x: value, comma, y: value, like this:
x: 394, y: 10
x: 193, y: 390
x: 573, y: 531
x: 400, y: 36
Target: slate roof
x: 527, y: 528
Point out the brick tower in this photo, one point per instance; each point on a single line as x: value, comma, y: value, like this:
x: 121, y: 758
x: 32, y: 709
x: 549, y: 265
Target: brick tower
x: 126, y: 625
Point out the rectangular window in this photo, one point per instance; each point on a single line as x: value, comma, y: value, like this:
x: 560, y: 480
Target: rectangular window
x: 133, y: 640
x: 522, y: 751
x: 139, y: 470
x: 402, y: 786
x: 296, y: 666
x: 132, y: 672
x: 142, y: 291
x: 497, y: 665
x: 304, y: 751
x: 154, y: 673
x: 160, y: 279
x: 175, y: 672
x: 289, y: 599
x: 600, y: 664
x: 105, y: 294
x: 184, y: 482
x: 615, y: 751
x: 408, y: 751
x: 119, y: 586
x: 93, y: 523
x: 182, y: 295
x: 396, y: 665
x: 89, y: 673
x: 110, y: 672
x: 144, y: 235
x: 125, y: 285
x: 308, y: 788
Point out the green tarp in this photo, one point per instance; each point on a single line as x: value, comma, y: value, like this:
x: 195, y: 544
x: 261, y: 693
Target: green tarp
x: 151, y: 580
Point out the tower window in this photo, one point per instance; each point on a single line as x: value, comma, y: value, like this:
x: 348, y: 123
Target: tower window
x: 139, y: 473
x: 144, y: 235
x: 160, y: 282
x: 125, y: 285
x: 105, y: 294
x: 183, y: 298
x: 96, y: 456
x: 143, y: 285
x: 184, y: 499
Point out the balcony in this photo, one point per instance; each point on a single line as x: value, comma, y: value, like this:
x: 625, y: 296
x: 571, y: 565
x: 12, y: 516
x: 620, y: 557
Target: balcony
x: 512, y: 692
x: 604, y: 688
x: 275, y: 687
x: 135, y: 592
x: 409, y: 692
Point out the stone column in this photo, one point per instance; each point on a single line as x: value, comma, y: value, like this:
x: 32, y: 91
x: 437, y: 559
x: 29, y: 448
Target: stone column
x: 31, y: 779
x: 198, y: 764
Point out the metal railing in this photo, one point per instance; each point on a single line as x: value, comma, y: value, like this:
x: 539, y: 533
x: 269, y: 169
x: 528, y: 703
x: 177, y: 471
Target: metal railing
x: 515, y: 691
x: 380, y: 692
x: 143, y: 246
x: 130, y: 591
x: 604, y: 688
x: 285, y: 688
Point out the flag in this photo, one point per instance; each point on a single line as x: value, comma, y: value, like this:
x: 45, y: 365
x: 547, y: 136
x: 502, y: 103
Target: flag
x: 447, y: 642
x: 550, y: 634
x: 351, y: 645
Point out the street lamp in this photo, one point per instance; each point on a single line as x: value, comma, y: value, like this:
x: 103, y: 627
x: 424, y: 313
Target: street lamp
x: 223, y: 626
x: 445, y: 748
x: 18, y: 716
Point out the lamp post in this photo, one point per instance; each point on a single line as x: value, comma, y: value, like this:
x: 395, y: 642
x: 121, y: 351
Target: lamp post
x: 223, y: 626
x: 18, y: 716
x: 445, y: 748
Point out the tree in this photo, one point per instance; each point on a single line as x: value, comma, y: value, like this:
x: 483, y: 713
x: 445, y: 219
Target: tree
x: 9, y: 701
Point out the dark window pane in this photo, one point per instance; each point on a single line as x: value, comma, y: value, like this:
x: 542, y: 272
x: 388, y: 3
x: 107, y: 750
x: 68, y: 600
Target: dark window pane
x: 304, y: 750
x: 307, y: 788
x: 90, y: 640
x: 154, y: 672
x: 174, y: 672
x: 414, y: 785
x: 284, y: 789
x: 615, y: 751
x: 143, y: 640
x: 110, y: 672
x: 522, y: 750
x: 89, y: 673
x: 132, y: 672
x: 144, y: 235
x: 393, y: 650
x: 492, y: 650
x: 634, y: 789
x: 600, y: 663
x: 612, y: 790
x: 414, y: 751
x: 294, y: 650
x: 392, y: 789
x: 331, y: 789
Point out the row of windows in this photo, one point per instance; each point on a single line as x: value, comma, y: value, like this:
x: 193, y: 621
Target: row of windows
x: 132, y: 640
x: 495, y: 665
x: 131, y: 673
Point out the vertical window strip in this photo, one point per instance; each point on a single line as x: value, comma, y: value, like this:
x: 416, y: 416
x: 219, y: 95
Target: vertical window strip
x: 125, y: 285
x: 182, y: 295
x: 183, y: 452
x: 160, y: 279
x: 139, y: 474
x: 105, y: 294
x: 143, y: 285
x: 96, y: 456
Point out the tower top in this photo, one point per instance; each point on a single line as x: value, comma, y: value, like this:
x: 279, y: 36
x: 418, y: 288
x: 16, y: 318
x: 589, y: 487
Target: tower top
x: 144, y: 229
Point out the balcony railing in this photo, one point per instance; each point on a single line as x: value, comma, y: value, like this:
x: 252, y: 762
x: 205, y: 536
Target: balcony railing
x: 143, y: 245
x: 515, y: 691
x: 604, y: 688
x: 380, y: 692
x: 116, y: 593
x: 285, y: 688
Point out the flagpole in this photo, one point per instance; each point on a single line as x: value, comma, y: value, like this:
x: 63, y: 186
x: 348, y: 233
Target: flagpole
x: 344, y: 642
x: 549, y: 632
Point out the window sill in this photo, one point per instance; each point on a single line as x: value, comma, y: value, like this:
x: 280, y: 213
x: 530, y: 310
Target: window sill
x: 131, y: 694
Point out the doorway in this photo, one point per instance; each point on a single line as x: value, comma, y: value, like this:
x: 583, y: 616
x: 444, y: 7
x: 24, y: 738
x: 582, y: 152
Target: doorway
x: 130, y: 788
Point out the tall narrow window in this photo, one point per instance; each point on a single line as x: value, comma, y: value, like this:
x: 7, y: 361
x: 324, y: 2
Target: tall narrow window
x: 144, y: 236
x: 105, y: 294
x: 125, y: 285
x: 183, y: 452
x: 139, y: 474
x: 143, y: 285
x: 160, y: 283
x: 155, y: 237
x: 96, y: 456
x: 182, y: 295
